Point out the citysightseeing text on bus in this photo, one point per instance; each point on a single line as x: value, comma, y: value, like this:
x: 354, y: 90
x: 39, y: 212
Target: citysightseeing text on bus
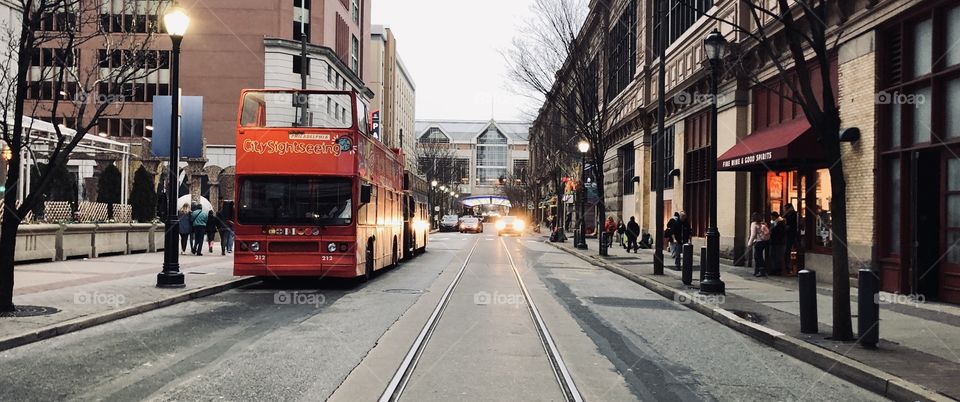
x: 296, y: 147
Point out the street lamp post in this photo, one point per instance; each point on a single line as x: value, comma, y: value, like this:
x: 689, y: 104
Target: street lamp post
x: 581, y: 240
x: 713, y: 46
x: 433, y: 203
x: 176, y: 21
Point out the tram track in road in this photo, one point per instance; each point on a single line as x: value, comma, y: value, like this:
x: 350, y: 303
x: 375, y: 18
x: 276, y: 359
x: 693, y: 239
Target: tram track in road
x: 398, y: 382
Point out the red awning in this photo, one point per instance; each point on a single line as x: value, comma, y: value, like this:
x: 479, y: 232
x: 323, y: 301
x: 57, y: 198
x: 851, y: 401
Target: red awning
x: 788, y: 146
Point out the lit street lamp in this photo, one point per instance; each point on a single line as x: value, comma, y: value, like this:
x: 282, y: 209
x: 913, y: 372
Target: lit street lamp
x: 581, y: 240
x: 433, y: 203
x: 176, y: 21
x: 714, y: 46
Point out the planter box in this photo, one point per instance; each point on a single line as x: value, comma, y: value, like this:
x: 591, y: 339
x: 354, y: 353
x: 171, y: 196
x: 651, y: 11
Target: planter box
x: 77, y: 241
x: 110, y: 238
x: 37, y: 242
x: 139, y: 238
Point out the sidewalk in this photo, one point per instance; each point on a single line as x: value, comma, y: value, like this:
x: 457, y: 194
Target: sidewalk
x: 920, y: 342
x: 89, y: 292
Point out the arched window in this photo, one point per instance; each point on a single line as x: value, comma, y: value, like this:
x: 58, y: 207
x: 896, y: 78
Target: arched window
x: 434, y: 136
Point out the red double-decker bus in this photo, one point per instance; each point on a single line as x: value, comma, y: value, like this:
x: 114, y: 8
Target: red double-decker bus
x: 316, y: 195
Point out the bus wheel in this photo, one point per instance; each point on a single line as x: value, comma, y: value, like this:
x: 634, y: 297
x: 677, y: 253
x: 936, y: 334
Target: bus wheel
x: 368, y: 266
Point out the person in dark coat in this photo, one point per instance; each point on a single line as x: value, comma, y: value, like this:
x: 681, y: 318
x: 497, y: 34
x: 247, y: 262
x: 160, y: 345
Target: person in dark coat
x: 225, y: 216
x: 622, y: 233
x: 213, y: 227
x: 633, y: 231
x: 778, y: 234
x: 790, y: 225
x: 682, y: 232
x: 185, y: 228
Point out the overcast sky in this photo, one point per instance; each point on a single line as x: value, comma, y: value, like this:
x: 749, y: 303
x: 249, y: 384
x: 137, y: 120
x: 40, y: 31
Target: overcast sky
x: 452, y: 49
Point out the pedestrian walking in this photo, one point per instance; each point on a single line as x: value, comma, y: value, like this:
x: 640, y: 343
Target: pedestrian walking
x: 213, y: 227
x: 759, y: 235
x: 790, y: 228
x: 185, y: 228
x: 633, y: 230
x: 225, y: 215
x: 668, y: 235
x: 681, y: 235
x: 778, y: 241
x: 199, y: 220
x: 608, y: 229
x: 621, y: 233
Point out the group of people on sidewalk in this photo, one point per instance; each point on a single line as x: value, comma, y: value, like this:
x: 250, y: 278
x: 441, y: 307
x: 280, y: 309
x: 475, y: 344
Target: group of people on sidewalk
x: 195, y: 224
x: 628, y: 235
x: 771, y: 241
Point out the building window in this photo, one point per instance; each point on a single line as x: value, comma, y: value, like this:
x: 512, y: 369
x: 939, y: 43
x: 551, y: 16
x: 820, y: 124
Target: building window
x: 680, y: 16
x: 298, y: 65
x: 663, y: 159
x: 355, y: 11
x: 491, y: 157
x: 627, y: 168
x: 120, y: 127
x: 130, y: 17
x: 622, y: 56
x: 329, y: 74
x: 461, y: 171
x: 697, y: 171
x: 355, y: 55
x: 520, y: 170
x: 434, y: 136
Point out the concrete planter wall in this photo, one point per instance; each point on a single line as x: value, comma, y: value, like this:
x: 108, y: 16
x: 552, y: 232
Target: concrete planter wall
x: 139, y: 238
x: 110, y: 238
x: 76, y: 241
x: 38, y: 242
x: 60, y: 242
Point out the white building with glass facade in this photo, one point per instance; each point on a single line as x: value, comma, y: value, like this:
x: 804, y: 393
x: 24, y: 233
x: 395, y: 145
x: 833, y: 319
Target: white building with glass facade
x: 476, y: 157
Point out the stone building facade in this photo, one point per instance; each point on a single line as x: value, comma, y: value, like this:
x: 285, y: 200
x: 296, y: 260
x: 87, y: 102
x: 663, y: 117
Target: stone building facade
x: 893, y: 81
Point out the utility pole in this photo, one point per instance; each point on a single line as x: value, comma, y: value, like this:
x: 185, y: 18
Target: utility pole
x: 304, y: 101
x: 658, y: 179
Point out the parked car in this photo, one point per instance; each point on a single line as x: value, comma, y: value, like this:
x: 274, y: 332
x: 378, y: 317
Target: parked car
x: 471, y: 224
x: 510, y: 225
x: 449, y: 223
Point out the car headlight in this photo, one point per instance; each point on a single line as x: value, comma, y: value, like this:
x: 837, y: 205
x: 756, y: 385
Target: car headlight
x: 255, y: 246
x: 519, y: 225
x: 501, y: 225
x: 332, y: 247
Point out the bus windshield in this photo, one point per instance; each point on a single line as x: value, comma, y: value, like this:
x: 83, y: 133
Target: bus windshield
x: 265, y: 109
x: 295, y: 200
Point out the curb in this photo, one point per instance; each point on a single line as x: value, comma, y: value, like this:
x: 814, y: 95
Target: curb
x: 874, y: 380
x: 81, y: 323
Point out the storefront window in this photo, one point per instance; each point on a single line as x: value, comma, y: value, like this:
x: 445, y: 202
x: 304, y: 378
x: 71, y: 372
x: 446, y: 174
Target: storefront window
x: 893, y: 233
x: 823, y: 236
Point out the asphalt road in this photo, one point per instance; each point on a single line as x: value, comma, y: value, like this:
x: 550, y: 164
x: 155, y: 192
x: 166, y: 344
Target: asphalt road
x: 343, y: 341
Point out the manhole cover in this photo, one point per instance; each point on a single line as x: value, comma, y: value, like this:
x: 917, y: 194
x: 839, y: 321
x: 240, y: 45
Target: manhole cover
x: 29, y: 311
x: 749, y: 316
x: 405, y: 291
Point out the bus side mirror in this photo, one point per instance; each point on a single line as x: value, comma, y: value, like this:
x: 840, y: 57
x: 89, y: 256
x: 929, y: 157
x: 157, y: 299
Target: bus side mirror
x: 366, y: 191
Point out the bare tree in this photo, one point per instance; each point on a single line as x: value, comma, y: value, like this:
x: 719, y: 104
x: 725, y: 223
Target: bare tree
x: 560, y: 57
x: 551, y: 157
x: 436, y: 161
x: 796, y: 38
x: 46, y: 77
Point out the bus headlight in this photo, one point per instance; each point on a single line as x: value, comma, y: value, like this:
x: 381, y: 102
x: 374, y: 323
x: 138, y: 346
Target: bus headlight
x: 255, y: 246
x: 420, y: 225
x: 519, y: 225
x: 501, y: 225
x: 332, y: 247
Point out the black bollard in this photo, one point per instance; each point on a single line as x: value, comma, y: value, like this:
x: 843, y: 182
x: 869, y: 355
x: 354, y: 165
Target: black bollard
x: 808, y: 301
x: 703, y: 263
x: 687, y: 274
x: 868, y: 309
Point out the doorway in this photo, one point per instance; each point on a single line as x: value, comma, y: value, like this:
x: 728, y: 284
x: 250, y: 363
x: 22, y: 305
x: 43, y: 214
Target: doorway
x: 950, y: 233
x: 926, y: 223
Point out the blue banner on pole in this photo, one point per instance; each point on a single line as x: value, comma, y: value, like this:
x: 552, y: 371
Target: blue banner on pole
x: 191, y: 127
